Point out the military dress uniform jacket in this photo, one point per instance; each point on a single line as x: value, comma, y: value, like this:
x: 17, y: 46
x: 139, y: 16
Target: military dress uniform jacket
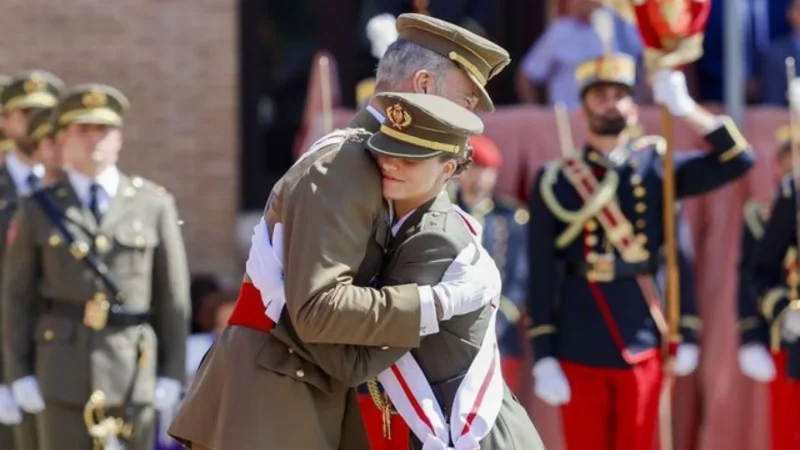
x: 505, y: 237
x: 775, y: 270
x: 570, y: 315
x: 139, y: 241
x: 335, y: 230
x: 751, y: 324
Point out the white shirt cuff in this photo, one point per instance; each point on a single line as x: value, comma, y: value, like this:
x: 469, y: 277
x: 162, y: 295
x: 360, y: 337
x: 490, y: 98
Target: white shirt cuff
x: 428, y: 322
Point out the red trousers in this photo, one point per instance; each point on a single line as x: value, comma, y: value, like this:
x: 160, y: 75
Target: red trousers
x: 784, y: 396
x: 612, y: 409
x: 373, y: 422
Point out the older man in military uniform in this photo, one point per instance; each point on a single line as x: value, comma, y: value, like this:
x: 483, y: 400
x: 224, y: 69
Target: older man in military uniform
x: 334, y: 239
x: 596, y: 225
x: 95, y: 289
x: 26, y: 95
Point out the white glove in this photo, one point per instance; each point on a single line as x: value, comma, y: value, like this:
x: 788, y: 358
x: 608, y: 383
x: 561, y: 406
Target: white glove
x: 756, y: 363
x: 794, y: 93
x: 265, y: 267
x: 28, y: 395
x: 550, y: 383
x: 669, y: 90
x: 10, y: 413
x: 686, y: 359
x: 790, y: 328
x: 168, y: 393
x: 468, y: 286
x: 381, y: 32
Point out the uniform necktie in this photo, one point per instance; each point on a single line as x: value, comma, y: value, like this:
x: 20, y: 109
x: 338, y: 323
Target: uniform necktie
x: 33, y: 181
x: 94, y: 202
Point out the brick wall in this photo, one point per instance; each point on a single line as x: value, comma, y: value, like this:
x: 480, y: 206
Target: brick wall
x: 177, y: 62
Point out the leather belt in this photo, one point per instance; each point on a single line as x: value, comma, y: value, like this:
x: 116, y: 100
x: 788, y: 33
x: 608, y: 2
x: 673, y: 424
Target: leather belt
x: 619, y: 269
x: 117, y: 317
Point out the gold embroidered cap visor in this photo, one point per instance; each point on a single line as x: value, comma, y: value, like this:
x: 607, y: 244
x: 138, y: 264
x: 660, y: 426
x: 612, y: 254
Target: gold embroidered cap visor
x: 618, y: 69
x: 96, y: 116
x: 39, y: 125
x: 420, y: 126
x: 480, y: 58
x: 41, y: 99
x: 31, y: 89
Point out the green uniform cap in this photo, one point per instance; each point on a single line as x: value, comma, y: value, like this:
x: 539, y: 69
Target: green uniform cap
x: 91, y: 104
x: 40, y: 125
x: 480, y: 58
x: 422, y: 126
x: 32, y: 89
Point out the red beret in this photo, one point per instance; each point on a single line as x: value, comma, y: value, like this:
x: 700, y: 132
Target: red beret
x: 485, y: 152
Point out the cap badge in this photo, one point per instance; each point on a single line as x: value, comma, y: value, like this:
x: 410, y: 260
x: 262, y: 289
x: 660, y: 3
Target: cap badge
x: 398, y: 117
x: 35, y: 83
x: 94, y: 99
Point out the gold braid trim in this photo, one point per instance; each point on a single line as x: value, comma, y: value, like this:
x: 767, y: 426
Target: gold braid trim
x: 769, y: 301
x: 605, y: 193
x: 509, y: 309
x: 775, y: 330
x: 384, y: 405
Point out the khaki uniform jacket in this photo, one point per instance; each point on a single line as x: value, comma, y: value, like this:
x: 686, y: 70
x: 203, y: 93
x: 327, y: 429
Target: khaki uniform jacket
x: 139, y: 240
x: 252, y: 387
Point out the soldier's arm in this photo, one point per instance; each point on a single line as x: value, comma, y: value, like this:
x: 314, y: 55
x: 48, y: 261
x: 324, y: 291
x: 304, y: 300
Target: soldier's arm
x: 421, y: 259
x: 730, y: 158
x: 544, y: 280
x: 329, y: 220
x: 750, y: 323
x: 779, y: 235
x: 170, y: 294
x: 21, y: 264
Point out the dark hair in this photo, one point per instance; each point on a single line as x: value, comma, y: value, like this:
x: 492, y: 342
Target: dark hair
x: 463, y: 159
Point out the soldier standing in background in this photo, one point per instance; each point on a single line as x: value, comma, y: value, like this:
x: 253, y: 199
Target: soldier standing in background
x: 43, y: 137
x: 6, y: 143
x: 596, y: 232
x: 504, y: 223
x: 26, y: 95
x: 95, y: 289
x: 768, y: 298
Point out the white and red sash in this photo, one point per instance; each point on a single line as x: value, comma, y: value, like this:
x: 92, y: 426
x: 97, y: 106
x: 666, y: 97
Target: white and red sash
x: 478, y: 398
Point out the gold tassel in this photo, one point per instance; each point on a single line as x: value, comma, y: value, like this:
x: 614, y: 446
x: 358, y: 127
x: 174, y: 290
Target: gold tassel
x: 381, y: 400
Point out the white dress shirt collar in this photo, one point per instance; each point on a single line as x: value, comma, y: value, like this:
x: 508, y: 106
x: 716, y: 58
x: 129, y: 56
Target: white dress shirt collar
x: 108, y: 180
x: 20, y: 171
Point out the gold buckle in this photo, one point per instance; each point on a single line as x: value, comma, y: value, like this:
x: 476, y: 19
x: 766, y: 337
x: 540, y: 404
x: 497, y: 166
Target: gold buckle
x: 603, y: 268
x: 95, y: 314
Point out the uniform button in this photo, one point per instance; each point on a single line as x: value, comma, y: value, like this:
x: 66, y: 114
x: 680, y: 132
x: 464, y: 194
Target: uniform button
x: 640, y: 223
x: 636, y: 179
x: 593, y: 156
x: 54, y: 240
x: 641, y: 207
x: 291, y: 351
x: 641, y: 239
x: 49, y: 335
x: 384, y: 348
x: 300, y: 373
x: 639, y: 192
x: 591, y: 225
x: 591, y: 240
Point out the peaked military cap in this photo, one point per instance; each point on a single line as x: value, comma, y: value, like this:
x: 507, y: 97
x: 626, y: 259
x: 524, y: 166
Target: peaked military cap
x: 40, y: 125
x: 612, y: 68
x: 91, y: 103
x: 32, y: 89
x: 422, y: 126
x: 480, y: 58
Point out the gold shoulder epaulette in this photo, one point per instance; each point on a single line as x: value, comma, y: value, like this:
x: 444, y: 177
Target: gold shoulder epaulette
x: 752, y: 218
x: 650, y: 140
